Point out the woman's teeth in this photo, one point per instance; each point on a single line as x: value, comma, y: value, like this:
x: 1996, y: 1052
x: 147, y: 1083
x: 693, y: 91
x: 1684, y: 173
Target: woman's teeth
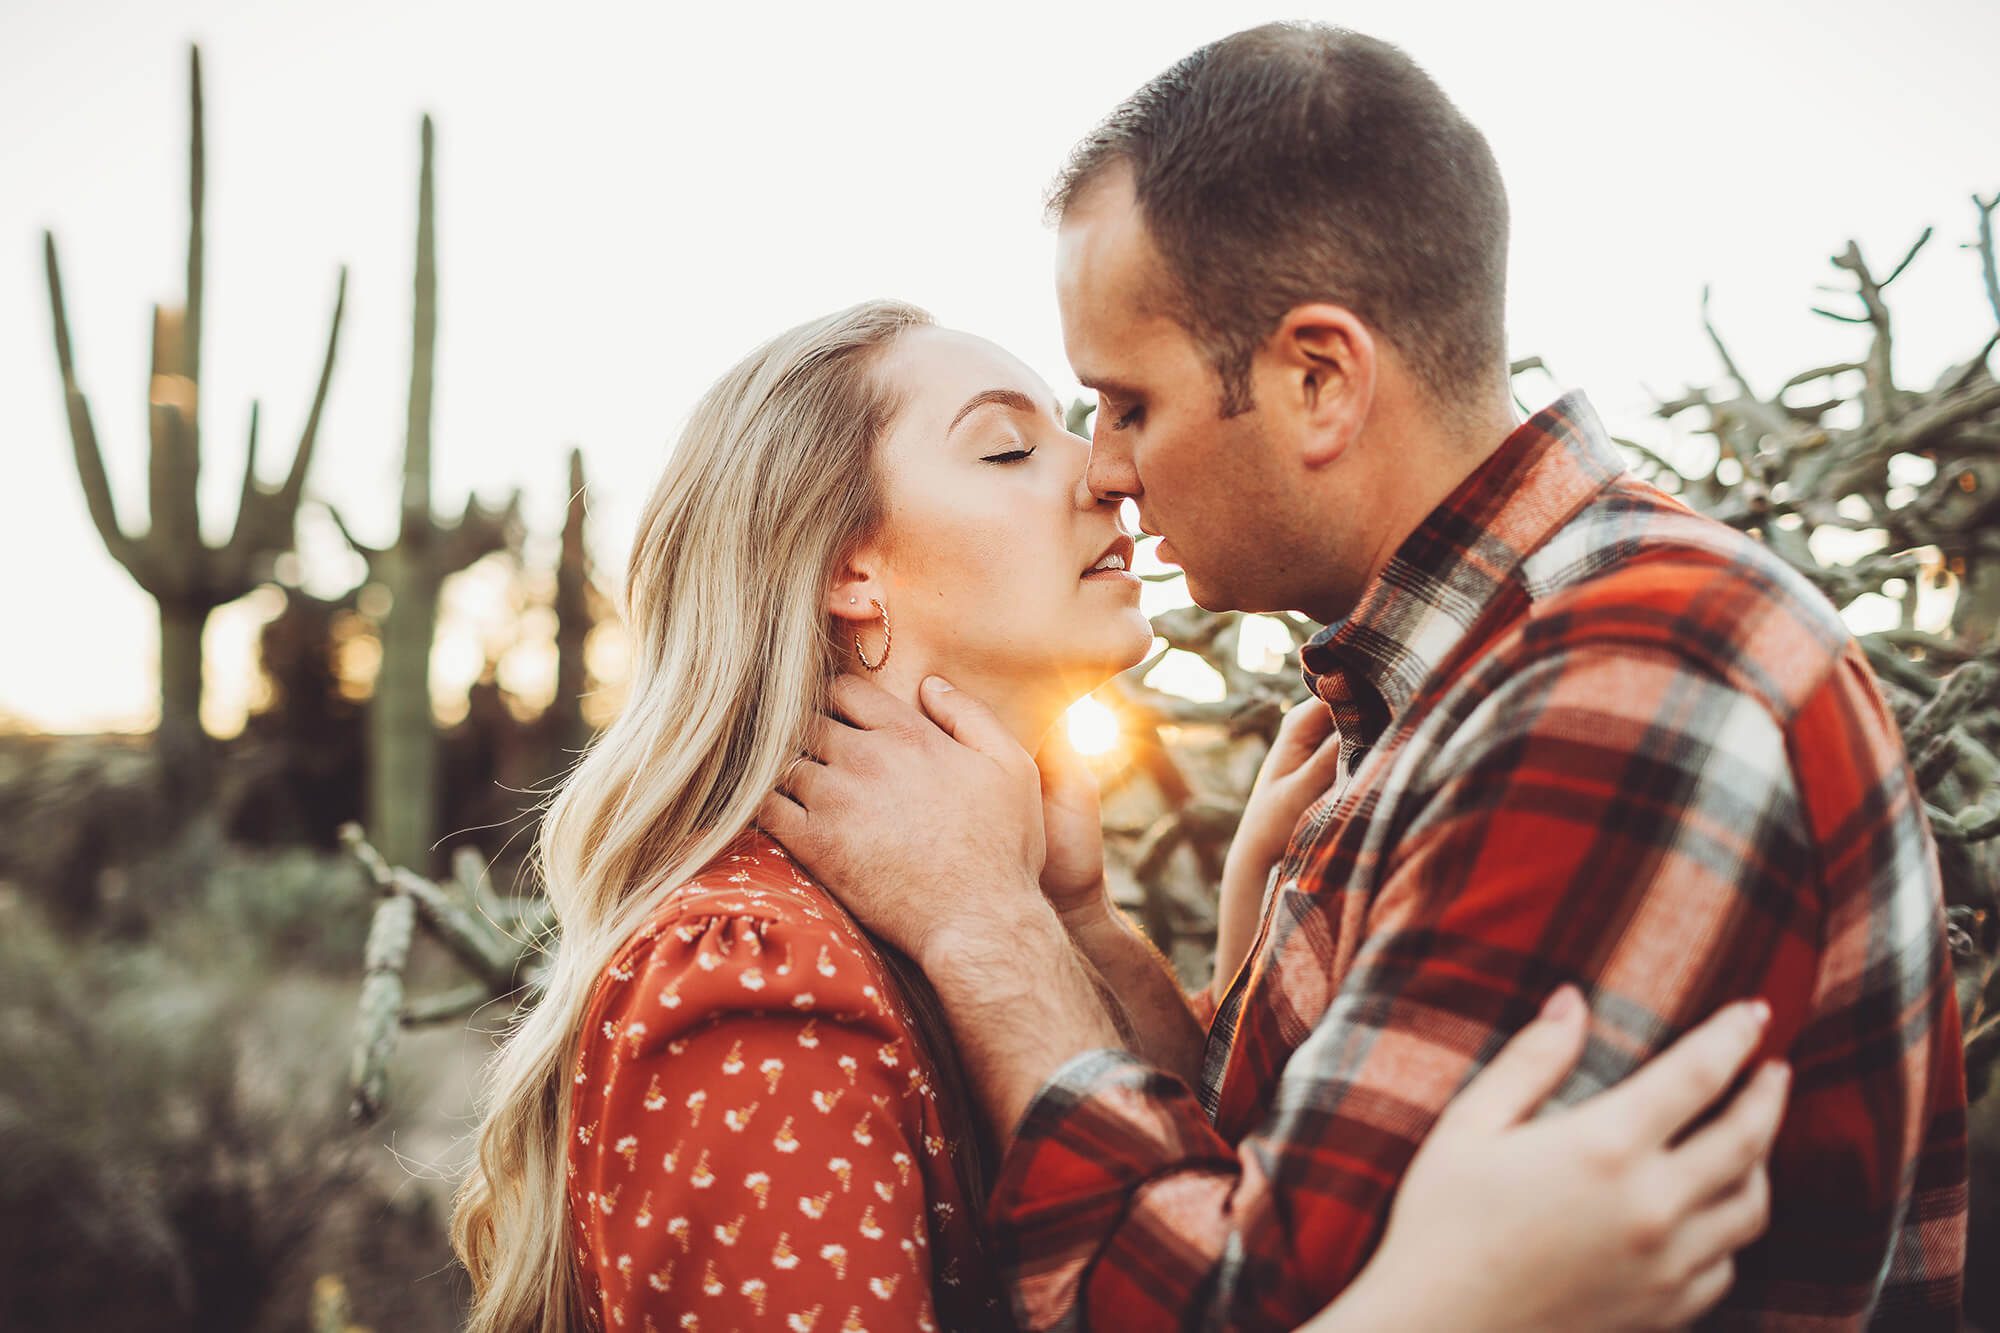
x: 1108, y: 562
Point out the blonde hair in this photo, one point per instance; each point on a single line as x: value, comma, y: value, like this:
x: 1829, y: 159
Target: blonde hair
x: 771, y: 485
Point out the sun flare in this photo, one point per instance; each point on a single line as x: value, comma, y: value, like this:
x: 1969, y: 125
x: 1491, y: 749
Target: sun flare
x: 1093, y: 728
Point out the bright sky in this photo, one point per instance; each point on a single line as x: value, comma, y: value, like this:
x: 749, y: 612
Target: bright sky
x: 631, y: 196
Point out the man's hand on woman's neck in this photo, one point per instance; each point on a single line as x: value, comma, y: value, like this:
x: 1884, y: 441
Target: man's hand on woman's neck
x: 1028, y: 711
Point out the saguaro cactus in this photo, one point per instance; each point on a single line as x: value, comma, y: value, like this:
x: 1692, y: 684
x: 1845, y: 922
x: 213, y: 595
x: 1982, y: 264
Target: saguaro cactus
x: 187, y: 577
x: 575, y: 615
x: 403, y: 752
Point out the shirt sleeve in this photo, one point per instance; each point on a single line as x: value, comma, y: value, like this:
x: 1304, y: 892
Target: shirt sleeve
x: 752, y: 1156
x: 1611, y: 814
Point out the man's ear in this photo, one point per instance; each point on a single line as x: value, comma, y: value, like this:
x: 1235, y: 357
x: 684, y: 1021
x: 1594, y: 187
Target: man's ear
x: 1320, y: 373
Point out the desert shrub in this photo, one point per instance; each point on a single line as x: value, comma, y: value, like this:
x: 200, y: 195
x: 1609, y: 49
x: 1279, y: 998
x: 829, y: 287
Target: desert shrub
x: 174, y: 1139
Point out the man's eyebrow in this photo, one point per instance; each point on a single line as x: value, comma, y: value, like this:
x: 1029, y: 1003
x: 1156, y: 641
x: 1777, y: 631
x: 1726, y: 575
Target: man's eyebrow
x: 1013, y: 398
x: 1105, y: 384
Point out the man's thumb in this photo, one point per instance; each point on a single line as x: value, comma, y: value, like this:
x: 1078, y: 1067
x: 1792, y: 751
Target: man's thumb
x: 967, y: 720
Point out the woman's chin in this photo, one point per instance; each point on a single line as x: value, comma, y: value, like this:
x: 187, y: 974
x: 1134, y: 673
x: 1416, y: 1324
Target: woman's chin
x: 1138, y: 647
x: 1119, y: 653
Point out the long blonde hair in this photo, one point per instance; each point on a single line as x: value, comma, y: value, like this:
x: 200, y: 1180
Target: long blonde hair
x: 771, y: 485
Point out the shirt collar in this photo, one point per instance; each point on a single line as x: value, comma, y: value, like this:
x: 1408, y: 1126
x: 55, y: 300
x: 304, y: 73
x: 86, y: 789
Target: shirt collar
x: 1410, y: 617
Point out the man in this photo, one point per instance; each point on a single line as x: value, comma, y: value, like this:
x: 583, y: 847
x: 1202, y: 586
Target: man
x: 1586, y: 735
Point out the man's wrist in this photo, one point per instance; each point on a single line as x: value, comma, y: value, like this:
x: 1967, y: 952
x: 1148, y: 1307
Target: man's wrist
x: 1004, y: 924
x: 1019, y: 997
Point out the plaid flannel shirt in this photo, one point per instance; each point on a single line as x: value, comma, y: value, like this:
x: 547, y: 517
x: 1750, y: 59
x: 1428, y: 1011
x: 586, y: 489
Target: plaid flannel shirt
x: 1588, y: 736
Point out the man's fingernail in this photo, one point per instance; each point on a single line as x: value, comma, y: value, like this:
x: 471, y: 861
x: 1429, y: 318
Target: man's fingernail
x: 1757, y: 1013
x: 940, y: 684
x: 1563, y: 1004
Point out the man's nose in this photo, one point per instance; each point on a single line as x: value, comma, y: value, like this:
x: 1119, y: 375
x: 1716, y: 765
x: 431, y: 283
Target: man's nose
x: 1109, y: 475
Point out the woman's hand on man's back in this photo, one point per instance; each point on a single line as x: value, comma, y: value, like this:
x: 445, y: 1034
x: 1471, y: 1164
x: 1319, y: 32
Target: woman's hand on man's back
x: 1594, y: 1216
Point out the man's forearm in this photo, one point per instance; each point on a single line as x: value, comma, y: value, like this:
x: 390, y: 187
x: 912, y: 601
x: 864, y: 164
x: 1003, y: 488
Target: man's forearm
x: 1021, y: 1002
x: 1143, y: 984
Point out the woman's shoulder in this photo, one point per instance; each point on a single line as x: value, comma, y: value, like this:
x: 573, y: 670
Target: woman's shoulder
x: 755, y: 877
x: 751, y: 932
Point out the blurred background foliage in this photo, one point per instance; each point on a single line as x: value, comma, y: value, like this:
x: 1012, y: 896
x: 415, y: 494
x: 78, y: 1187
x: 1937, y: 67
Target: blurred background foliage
x: 189, y: 925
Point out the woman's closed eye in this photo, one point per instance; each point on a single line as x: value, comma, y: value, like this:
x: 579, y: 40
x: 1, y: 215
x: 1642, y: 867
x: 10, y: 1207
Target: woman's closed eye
x: 1010, y: 456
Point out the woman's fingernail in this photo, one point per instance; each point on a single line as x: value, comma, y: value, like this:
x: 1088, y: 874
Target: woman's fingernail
x: 940, y: 684
x: 1757, y: 1013
x: 1563, y: 1004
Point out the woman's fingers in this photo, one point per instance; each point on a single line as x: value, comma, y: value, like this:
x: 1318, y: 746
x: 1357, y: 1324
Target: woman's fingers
x: 1737, y: 1218
x: 1716, y: 1158
x: 1707, y: 1230
x: 1701, y: 1293
x: 1672, y: 1088
x: 1528, y: 1068
x: 1307, y: 723
x: 1323, y: 764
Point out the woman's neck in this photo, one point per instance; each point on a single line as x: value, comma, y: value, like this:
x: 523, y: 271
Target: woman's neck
x: 1028, y: 712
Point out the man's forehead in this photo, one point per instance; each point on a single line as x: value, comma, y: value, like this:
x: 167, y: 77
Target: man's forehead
x: 1106, y: 258
x: 1111, y: 189
x: 1105, y: 222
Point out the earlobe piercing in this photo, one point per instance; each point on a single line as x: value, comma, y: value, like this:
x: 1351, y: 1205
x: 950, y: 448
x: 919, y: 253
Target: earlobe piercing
x: 861, y: 652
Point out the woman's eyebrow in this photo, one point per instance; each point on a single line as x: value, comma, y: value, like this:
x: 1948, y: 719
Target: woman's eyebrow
x: 1013, y: 398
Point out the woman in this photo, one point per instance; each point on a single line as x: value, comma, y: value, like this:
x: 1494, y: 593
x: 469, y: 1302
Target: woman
x: 731, y: 1107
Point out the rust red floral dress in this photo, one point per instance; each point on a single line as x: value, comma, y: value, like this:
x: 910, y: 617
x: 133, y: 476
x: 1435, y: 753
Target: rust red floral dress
x: 754, y: 1138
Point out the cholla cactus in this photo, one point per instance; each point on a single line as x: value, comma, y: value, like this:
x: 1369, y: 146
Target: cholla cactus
x: 501, y: 942
x: 187, y: 577
x: 1908, y: 476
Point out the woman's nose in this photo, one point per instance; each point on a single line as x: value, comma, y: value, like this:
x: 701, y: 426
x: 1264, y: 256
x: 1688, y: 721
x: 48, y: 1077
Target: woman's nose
x: 1086, y: 496
x: 1080, y: 493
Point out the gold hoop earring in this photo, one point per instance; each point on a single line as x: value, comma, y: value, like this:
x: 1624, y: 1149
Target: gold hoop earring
x: 861, y: 652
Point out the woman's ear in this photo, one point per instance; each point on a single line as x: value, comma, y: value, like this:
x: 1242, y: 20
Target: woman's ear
x: 1320, y: 378
x: 854, y: 590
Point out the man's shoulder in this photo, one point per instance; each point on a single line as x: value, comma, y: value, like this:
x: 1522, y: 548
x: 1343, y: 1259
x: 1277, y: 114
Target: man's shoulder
x: 1637, y: 570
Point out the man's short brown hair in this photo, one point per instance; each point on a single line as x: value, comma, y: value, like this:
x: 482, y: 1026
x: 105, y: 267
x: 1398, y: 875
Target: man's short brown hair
x: 1296, y: 162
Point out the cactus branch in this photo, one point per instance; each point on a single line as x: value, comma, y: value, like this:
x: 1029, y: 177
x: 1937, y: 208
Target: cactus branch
x: 190, y: 360
x: 82, y: 433
x: 265, y: 519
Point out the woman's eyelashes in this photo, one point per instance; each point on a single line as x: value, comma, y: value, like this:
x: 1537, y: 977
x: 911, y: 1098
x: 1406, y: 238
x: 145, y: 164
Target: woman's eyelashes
x: 1010, y: 456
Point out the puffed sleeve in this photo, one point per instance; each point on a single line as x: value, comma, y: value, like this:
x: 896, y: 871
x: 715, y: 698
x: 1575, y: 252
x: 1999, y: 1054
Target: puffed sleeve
x: 747, y: 1136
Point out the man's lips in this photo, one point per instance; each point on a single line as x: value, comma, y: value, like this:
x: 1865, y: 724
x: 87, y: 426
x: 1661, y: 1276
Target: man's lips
x: 1161, y: 551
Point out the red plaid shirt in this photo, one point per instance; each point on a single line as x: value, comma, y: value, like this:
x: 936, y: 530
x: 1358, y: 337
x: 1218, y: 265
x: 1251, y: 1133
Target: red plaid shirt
x: 1590, y: 736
